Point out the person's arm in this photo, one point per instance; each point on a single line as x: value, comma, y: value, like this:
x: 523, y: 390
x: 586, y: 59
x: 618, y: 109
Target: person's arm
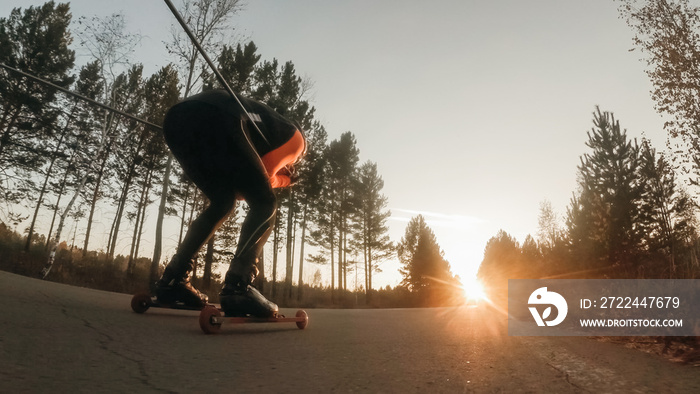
x: 279, y: 181
x: 277, y: 162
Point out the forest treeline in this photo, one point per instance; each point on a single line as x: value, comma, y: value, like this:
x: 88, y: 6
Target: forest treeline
x: 629, y: 218
x: 67, y: 159
x: 634, y: 213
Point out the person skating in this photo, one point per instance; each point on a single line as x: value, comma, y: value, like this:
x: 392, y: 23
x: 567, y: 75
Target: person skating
x: 229, y: 154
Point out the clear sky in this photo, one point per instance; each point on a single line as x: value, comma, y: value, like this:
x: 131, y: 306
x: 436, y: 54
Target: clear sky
x: 474, y: 111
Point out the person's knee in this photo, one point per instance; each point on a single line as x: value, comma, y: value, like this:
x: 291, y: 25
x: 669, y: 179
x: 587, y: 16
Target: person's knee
x: 222, y: 205
x: 264, y: 207
x: 267, y: 210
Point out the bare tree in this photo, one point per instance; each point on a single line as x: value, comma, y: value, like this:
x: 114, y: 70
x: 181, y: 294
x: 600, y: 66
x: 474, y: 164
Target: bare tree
x: 109, y: 42
x: 548, y: 229
x: 208, y: 21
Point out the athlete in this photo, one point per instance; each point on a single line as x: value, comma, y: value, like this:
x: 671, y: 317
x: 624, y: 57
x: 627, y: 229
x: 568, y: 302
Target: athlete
x: 229, y: 154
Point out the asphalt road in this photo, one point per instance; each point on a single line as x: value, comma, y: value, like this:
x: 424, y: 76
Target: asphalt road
x: 57, y: 338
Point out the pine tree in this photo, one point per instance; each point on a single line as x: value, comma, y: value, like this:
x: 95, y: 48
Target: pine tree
x: 371, y: 228
x: 333, y: 207
x: 343, y: 156
x: 36, y: 41
x: 75, y: 123
x: 237, y: 67
x: 502, y: 260
x: 602, y: 218
x: 130, y: 143
x: 425, y: 272
x: 661, y: 211
x: 311, y: 185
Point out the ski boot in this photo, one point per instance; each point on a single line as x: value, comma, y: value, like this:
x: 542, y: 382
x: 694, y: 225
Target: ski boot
x: 175, y: 286
x: 240, y: 298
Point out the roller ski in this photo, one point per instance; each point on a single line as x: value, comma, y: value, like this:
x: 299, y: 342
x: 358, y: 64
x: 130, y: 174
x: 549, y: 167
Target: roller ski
x: 173, y: 290
x: 212, y: 318
x: 141, y: 302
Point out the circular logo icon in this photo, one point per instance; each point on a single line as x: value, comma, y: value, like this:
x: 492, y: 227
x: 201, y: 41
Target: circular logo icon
x: 543, y: 297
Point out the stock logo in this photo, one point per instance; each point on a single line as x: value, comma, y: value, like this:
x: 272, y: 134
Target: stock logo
x: 543, y: 297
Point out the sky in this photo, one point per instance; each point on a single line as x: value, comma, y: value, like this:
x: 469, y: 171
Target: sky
x: 474, y: 111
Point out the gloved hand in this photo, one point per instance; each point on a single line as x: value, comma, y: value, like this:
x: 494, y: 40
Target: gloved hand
x: 291, y: 172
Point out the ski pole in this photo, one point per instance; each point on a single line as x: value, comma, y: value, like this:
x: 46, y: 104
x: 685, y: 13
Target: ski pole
x: 80, y: 96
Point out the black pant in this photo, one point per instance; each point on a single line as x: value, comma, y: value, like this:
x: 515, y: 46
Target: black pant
x: 214, y: 153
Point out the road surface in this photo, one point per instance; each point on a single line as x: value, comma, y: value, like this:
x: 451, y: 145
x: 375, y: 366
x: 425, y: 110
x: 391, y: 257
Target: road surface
x: 57, y: 338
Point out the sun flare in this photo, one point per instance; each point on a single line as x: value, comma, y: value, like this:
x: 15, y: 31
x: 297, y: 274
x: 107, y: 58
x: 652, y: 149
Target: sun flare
x: 473, y: 291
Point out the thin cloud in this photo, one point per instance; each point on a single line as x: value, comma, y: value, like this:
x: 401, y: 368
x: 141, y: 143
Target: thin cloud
x: 437, y: 219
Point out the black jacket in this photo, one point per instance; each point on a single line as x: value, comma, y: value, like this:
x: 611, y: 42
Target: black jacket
x: 275, y: 128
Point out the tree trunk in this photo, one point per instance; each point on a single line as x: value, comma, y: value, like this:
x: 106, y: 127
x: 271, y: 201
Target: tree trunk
x: 108, y: 120
x: 158, y: 247
x: 340, y: 254
x: 365, y: 259
x: 185, y: 201
x: 301, y: 254
x: 118, y: 217
x: 345, y: 261
x: 46, y: 182
x: 58, y: 203
x: 5, y: 138
x: 260, y: 280
x: 61, y: 221
x: 290, y: 242
x: 369, y: 275
x: 93, y: 202
x: 38, y: 206
x: 130, y: 175
x: 140, y: 213
x: 275, y: 245
x: 130, y: 261
x: 332, y: 249
x: 208, y: 262
x: 143, y: 220
x: 109, y: 239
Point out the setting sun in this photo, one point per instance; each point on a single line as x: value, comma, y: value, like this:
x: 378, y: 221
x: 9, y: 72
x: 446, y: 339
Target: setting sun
x: 473, y: 291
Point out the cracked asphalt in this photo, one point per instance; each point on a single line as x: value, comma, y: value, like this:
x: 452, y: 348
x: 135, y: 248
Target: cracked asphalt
x: 57, y: 338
